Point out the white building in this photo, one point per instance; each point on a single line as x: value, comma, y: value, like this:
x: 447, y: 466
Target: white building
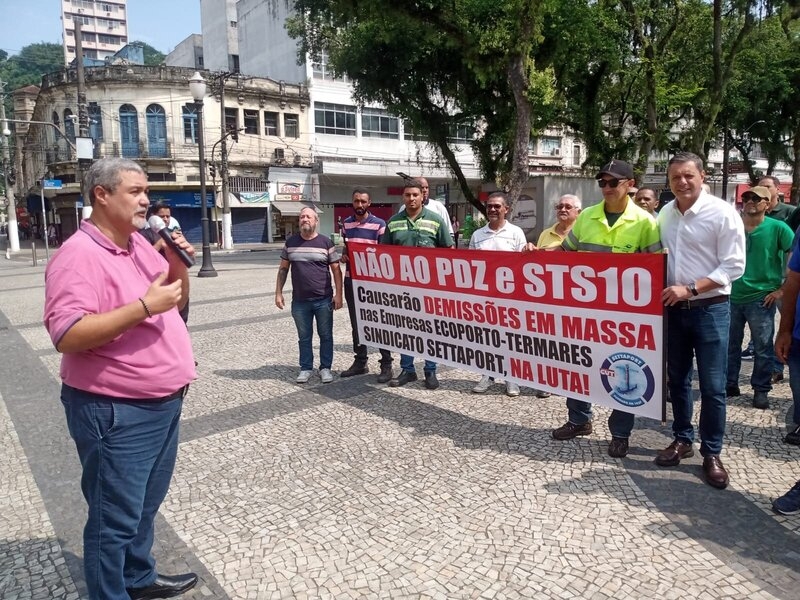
x: 220, y: 36
x: 104, y: 27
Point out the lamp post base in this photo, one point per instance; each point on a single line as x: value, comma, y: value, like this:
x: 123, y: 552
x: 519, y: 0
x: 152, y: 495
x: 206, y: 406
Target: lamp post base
x: 207, y: 272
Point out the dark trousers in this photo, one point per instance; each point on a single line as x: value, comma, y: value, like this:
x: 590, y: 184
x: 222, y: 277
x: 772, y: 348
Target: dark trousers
x: 359, y: 349
x: 127, y: 451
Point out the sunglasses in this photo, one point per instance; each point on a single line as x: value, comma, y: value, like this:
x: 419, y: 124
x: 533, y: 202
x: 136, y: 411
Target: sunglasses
x: 612, y: 183
x: 494, y: 206
x: 751, y: 198
x: 564, y: 207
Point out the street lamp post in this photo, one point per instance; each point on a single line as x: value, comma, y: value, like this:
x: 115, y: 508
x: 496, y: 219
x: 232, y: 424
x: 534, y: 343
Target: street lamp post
x: 197, y: 86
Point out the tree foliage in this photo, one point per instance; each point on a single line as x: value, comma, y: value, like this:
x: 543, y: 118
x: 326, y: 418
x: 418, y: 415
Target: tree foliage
x: 152, y: 57
x: 439, y: 65
x: 27, y: 67
x: 623, y: 75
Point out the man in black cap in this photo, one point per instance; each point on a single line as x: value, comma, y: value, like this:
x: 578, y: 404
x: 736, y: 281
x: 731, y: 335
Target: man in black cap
x: 617, y: 224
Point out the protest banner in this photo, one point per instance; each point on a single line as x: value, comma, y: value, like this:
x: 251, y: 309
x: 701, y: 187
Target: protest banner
x: 585, y: 325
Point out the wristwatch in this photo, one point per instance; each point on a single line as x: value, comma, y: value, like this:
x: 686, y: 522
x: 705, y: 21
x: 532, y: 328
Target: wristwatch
x: 693, y: 288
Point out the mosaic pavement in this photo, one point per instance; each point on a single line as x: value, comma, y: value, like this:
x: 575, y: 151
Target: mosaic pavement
x: 357, y: 490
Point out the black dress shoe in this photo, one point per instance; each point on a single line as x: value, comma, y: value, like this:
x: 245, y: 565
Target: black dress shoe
x: 165, y: 586
x: 431, y: 382
x: 385, y: 374
x: 716, y: 475
x: 732, y: 391
x: 671, y: 455
x: 404, y: 378
x: 357, y: 368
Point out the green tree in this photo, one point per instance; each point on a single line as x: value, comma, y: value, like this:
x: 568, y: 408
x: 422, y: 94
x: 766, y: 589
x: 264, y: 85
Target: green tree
x: 152, y: 57
x: 443, y: 65
x: 30, y: 64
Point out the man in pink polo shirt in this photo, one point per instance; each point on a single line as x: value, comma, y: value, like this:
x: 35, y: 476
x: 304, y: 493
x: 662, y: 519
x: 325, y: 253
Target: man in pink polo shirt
x: 111, y: 309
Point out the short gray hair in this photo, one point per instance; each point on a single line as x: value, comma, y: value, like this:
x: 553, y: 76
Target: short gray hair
x: 572, y: 198
x: 106, y: 173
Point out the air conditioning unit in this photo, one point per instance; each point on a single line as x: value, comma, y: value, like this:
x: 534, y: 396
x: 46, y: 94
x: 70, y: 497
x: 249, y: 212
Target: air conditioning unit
x: 80, y: 11
x: 279, y: 154
x: 556, y: 152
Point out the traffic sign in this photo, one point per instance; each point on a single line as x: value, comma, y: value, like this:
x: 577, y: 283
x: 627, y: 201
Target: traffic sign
x: 51, y: 184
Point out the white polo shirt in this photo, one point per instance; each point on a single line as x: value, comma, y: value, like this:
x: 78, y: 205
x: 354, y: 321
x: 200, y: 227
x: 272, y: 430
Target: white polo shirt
x: 509, y: 237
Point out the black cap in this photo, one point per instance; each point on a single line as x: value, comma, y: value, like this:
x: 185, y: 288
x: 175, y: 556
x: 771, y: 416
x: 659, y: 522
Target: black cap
x: 618, y: 169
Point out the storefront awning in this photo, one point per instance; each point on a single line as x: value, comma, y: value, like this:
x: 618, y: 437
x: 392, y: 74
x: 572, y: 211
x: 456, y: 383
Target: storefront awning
x: 292, y: 209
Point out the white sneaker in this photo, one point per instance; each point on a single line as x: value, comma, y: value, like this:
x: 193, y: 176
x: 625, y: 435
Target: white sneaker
x: 482, y: 385
x: 325, y: 375
x: 512, y: 389
x: 303, y: 377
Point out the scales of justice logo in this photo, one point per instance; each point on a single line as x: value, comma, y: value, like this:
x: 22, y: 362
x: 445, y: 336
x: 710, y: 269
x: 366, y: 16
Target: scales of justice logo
x: 628, y: 379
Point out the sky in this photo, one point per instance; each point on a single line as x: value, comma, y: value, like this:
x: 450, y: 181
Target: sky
x: 161, y: 23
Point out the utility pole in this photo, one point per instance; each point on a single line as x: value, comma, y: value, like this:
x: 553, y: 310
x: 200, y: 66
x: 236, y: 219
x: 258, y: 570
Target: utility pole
x: 11, y: 210
x: 227, y: 235
x: 83, y: 112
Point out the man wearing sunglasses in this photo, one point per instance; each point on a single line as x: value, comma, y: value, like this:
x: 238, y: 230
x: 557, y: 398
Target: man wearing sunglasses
x: 755, y: 295
x: 567, y: 210
x: 705, y: 239
x: 497, y: 234
x: 617, y: 224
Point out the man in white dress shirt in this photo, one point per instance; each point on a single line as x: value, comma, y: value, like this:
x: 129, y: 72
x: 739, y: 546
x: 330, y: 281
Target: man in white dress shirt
x: 705, y: 239
x: 497, y: 234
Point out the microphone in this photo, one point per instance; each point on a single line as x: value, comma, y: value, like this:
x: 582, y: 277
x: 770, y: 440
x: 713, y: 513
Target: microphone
x: 157, y: 224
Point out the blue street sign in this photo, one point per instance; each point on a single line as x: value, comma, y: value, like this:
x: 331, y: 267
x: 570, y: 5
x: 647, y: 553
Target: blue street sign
x: 52, y: 184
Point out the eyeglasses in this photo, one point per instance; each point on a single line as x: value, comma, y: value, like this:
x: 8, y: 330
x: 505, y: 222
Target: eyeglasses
x: 751, y: 198
x: 494, y: 206
x: 564, y: 207
x: 612, y: 183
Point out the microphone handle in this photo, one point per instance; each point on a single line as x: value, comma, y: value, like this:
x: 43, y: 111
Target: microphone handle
x: 185, y: 258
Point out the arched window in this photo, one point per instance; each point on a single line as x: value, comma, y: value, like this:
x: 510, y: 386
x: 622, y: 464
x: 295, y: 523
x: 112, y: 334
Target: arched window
x: 95, y: 122
x: 156, y: 131
x: 69, y: 125
x: 129, y: 131
x: 57, y: 123
x: 190, y: 123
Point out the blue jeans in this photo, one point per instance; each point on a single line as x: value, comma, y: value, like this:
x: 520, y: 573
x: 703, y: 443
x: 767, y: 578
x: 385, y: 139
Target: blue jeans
x: 620, y: 423
x: 407, y: 364
x: 794, y: 378
x: 701, y: 332
x: 127, y: 451
x: 304, y: 312
x: 762, y: 332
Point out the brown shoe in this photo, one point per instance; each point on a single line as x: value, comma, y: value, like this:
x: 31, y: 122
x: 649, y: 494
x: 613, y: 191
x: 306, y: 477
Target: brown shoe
x: 671, y: 455
x: 618, y: 448
x: 716, y: 475
x: 569, y: 430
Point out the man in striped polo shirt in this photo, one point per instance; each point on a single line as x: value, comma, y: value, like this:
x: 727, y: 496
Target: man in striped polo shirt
x: 366, y: 228
x: 420, y: 227
x: 313, y: 260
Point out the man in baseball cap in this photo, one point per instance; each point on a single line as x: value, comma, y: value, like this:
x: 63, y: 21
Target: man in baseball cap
x: 618, y: 169
x: 617, y: 224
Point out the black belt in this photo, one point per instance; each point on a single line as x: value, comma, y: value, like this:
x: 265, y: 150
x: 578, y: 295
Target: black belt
x: 689, y: 304
x: 181, y: 393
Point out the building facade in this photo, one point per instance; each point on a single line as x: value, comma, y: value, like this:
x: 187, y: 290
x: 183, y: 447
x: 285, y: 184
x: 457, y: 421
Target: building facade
x: 148, y: 115
x: 104, y: 27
